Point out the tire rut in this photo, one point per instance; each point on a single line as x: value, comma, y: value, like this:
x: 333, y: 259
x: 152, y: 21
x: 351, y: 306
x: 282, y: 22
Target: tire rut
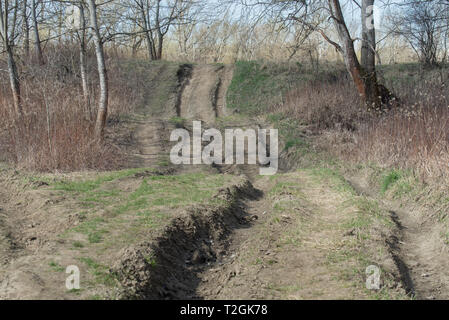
x: 204, y: 95
x: 418, y: 255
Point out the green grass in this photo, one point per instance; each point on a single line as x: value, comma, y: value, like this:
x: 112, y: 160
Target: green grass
x: 95, y: 237
x: 151, y: 260
x: 75, y: 291
x: 294, y: 142
x: 56, y: 266
x: 255, y: 86
x: 177, y: 121
x: 85, y: 186
x: 132, y: 214
x: 389, y: 179
x: 78, y: 245
x: 94, y: 229
x: 170, y: 191
x: 291, y: 138
x: 115, y: 215
x: 258, y: 85
x: 333, y: 177
x: 99, y: 272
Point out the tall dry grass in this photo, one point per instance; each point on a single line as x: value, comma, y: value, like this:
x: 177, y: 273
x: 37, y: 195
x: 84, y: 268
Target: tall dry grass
x: 414, y: 136
x: 324, y: 104
x: 56, y: 132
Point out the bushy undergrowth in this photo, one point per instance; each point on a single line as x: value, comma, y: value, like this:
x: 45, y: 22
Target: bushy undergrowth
x: 413, y: 136
x: 56, y: 132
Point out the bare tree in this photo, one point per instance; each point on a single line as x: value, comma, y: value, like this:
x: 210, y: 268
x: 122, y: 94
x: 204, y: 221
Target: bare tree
x: 79, y: 25
x: 37, y: 40
x: 7, y: 38
x: 25, y: 29
x: 102, y: 72
x: 82, y: 37
x: 363, y: 73
x: 155, y: 17
x: 188, y: 20
x: 424, y: 24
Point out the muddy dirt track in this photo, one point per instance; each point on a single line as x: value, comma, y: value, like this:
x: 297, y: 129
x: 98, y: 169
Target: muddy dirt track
x: 220, y: 267
x: 417, y: 248
x: 282, y: 237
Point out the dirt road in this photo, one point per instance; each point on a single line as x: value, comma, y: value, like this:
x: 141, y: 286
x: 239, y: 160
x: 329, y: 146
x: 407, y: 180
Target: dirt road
x: 301, y: 234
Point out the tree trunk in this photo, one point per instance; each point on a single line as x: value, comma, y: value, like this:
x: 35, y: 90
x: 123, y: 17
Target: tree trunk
x: 150, y: 46
x: 25, y: 30
x: 37, y: 40
x: 14, y: 81
x: 137, y: 41
x: 14, y: 20
x: 102, y: 73
x: 12, y: 69
x: 149, y: 39
x: 147, y: 30
x: 363, y: 83
x: 160, y: 37
x: 368, y: 54
x: 160, y: 43
x: 83, y: 68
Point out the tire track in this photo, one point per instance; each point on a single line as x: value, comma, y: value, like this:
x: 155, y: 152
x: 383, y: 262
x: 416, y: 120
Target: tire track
x: 416, y: 249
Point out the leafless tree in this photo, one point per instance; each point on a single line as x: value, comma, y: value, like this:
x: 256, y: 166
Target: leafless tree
x: 102, y: 72
x: 25, y: 29
x: 83, y: 39
x: 155, y: 18
x: 187, y: 20
x: 7, y: 38
x: 424, y: 24
x: 37, y: 40
x: 363, y: 73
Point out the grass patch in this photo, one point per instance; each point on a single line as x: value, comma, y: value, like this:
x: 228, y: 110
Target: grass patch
x: 85, y: 186
x: 100, y: 272
x: 389, y: 179
x: 177, y: 121
x: 56, y: 266
x: 78, y: 245
x: 294, y: 142
x: 75, y: 291
x: 255, y: 86
x: 333, y: 177
x: 92, y: 229
x: 116, y: 216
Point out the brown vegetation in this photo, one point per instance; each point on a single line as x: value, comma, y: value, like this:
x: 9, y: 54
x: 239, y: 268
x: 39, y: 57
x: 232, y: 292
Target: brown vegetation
x: 57, y: 131
x: 412, y: 136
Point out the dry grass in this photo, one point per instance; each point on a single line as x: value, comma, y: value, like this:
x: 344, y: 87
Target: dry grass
x: 414, y: 136
x: 324, y: 104
x: 57, y: 130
